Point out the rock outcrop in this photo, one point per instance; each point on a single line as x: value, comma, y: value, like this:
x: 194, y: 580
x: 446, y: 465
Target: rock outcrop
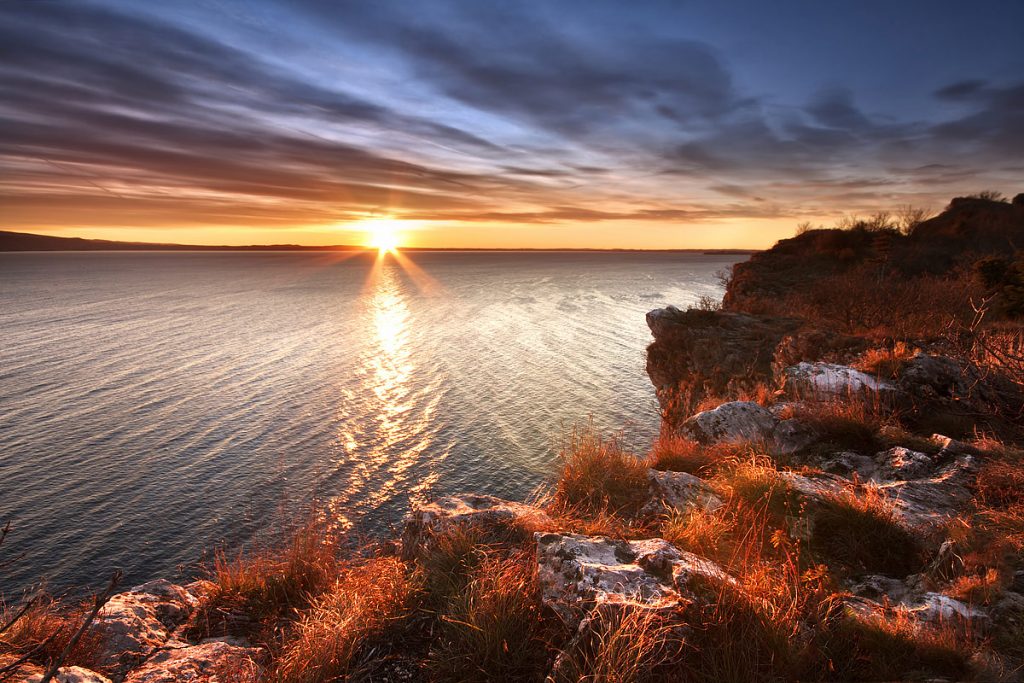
x: 578, y: 573
x: 210, y: 661
x: 747, y: 422
x: 135, y: 623
x: 700, y: 353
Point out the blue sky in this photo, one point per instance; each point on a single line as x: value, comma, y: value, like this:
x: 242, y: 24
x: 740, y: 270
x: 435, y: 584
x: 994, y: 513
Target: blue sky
x: 646, y: 124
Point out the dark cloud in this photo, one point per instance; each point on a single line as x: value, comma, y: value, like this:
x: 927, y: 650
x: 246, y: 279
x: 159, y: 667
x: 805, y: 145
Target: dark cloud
x: 93, y: 93
x: 514, y: 112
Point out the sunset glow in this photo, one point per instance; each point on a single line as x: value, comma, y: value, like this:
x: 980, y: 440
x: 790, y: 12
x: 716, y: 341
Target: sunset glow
x: 382, y: 234
x: 598, y: 125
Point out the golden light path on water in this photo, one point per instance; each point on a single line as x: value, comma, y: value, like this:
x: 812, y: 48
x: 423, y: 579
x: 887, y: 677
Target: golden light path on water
x: 395, y: 433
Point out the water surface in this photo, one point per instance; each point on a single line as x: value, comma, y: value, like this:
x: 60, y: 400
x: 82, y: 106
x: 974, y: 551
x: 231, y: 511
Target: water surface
x: 153, y: 405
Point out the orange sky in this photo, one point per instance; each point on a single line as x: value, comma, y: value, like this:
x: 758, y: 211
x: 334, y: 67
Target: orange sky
x: 721, y: 234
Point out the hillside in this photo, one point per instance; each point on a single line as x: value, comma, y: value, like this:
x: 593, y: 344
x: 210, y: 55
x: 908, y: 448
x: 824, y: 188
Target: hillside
x: 952, y: 242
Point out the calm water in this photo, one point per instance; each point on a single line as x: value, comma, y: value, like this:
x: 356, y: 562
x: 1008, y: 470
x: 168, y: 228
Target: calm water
x: 153, y: 405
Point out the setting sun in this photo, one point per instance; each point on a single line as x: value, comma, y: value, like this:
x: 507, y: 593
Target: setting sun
x: 382, y: 234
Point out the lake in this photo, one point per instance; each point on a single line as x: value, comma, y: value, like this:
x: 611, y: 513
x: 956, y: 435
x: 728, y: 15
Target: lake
x: 156, y: 405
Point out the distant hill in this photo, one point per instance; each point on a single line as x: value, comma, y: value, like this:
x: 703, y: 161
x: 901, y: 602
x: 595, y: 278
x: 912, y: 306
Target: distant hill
x: 969, y: 229
x: 23, y: 241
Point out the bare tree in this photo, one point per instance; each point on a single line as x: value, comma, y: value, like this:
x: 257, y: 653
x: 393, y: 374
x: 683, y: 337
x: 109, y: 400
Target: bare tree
x: 909, y: 217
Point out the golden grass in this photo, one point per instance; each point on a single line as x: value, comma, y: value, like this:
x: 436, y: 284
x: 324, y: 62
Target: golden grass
x: 445, y: 559
x: 842, y: 424
x: 492, y: 629
x: 679, y: 454
x: 886, y: 362
x: 597, y: 475
x: 366, y: 600
x: 884, y: 647
x: 269, y: 583
x: 44, y: 630
x: 623, y: 645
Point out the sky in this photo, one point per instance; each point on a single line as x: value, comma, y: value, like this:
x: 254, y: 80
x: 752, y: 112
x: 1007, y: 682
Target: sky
x: 499, y: 124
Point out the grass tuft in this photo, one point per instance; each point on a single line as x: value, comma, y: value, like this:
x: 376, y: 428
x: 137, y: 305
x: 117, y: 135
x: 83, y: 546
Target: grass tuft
x: 597, y: 475
x: 365, y: 603
x: 492, y: 629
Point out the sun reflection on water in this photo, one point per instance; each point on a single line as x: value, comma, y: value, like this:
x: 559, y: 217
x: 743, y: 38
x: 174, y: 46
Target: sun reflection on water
x: 390, y: 450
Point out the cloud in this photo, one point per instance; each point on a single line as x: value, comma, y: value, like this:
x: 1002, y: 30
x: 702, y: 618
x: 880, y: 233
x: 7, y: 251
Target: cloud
x: 526, y: 112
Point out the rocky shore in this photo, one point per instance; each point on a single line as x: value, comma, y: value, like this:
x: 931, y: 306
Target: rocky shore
x: 803, y: 516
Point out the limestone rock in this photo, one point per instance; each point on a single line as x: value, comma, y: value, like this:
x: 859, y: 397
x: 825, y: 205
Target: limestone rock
x: 901, y: 463
x: 468, y: 509
x: 578, y: 572
x: 69, y: 674
x: 880, y: 588
x: 134, y: 623
x: 679, y: 491
x: 736, y: 421
x: 927, y: 503
x: 746, y: 421
x: 934, y: 607
x: 207, y: 662
x: 848, y: 464
x: 816, y: 485
x: 827, y: 381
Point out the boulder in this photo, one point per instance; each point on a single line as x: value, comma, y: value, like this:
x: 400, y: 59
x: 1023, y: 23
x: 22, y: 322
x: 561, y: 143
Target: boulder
x: 848, y: 464
x: 901, y: 463
x: 936, y: 607
x: 210, y: 661
x: 880, y: 588
x: 469, y: 509
x: 828, y: 381
x: 579, y: 572
x: 746, y: 421
x: 927, y: 503
x: 67, y: 674
x: 679, y: 491
x: 134, y: 623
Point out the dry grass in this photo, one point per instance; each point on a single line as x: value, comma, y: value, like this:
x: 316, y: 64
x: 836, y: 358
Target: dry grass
x: 445, y: 560
x: 492, y: 629
x: 886, y: 647
x: 597, y: 475
x: 842, y: 424
x: 861, y: 532
x: 679, y: 454
x: 365, y: 602
x: 708, y: 534
x: 623, y: 646
x: 44, y: 630
x: 269, y: 583
x: 886, y: 362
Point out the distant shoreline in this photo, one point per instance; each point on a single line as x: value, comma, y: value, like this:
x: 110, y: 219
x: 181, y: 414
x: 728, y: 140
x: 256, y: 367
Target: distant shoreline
x: 28, y: 242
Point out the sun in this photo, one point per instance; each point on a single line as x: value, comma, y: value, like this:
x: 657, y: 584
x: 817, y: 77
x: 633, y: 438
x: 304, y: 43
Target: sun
x: 382, y: 234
